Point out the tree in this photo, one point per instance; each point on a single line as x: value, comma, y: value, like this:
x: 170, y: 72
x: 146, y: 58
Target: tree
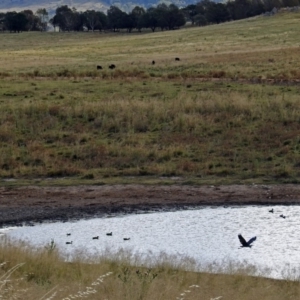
x: 203, y: 6
x: 175, y: 17
x: 161, y: 12
x: 290, y: 3
x: 138, y: 12
x: 129, y: 21
x: 270, y: 4
x: 239, y: 9
x: 217, y: 13
x: 102, y: 21
x: 54, y: 21
x: 115, y: 18
x: 91, y: 19
x: 2, y: 21
x: 200, y: 20
x: 78, y: 20
x: 32, y: 20
x: 190, y: 12
x: 257, y: 7
x: 169, y: 16
x: 15, y: 22
x: 43, y: 16
x: 150, y: 19
x: 95, y: 20
x: 64, y: 18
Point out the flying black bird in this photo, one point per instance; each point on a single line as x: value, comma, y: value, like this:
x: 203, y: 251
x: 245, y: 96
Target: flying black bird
x: 244, y: 243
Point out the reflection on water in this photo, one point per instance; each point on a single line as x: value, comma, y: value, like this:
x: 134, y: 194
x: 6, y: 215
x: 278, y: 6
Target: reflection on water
x: 206, y: 235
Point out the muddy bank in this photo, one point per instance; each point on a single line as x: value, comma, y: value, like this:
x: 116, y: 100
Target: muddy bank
x: 38, y: 204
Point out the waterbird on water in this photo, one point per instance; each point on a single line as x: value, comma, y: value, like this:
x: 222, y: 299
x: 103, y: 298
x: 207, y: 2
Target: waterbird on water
x: 271, y: 211
x: 69, y: 243
x: 96, y: 238
x: 282, y: 216
x: 109, y: 233
x: 245, y: 243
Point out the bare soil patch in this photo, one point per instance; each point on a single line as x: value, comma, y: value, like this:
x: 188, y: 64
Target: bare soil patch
x: 38, y: 204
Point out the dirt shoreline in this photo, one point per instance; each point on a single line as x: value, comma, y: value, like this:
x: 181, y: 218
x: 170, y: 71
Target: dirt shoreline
x: 39, y: 204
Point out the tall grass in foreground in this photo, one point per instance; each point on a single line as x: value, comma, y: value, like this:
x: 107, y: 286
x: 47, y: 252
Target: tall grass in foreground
x: 28, y: 273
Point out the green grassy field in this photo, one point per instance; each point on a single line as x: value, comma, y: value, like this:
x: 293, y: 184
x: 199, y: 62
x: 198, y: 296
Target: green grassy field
x: 228, y: 111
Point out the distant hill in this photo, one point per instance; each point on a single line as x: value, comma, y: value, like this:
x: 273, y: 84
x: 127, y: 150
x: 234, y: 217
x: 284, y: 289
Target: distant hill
x: 82, y: 5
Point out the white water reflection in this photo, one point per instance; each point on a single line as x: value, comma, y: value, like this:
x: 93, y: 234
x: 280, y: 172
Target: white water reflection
x: 208, y: 235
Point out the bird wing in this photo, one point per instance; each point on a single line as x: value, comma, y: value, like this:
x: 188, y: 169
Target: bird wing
x: 251, y: 240
x: 242, y: 240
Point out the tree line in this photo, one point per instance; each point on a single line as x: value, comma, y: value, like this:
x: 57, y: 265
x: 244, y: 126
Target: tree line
x: 164, y: 17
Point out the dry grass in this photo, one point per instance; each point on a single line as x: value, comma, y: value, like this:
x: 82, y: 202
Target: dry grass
x: 28, y: 273
x: 228, y: 110
x: 159, y: 128
x: 260, y: 47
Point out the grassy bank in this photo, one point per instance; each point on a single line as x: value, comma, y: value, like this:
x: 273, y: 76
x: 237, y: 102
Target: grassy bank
x: 228, y: 111
x: 26, y: 273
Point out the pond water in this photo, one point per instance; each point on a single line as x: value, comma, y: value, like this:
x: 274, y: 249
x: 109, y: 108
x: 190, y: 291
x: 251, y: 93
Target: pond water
x: 207, y: 235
